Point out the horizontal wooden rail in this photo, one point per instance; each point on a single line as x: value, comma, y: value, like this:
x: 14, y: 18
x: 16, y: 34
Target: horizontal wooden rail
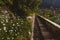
x: 51, y: 22
x: 52, y: 27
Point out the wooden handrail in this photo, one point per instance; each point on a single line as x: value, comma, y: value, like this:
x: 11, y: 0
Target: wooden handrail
x: 40, y: 21
x: 52, y: 27
x: 53, y: 23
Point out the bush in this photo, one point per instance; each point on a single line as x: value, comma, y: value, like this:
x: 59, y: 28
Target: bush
x: 14, y: 28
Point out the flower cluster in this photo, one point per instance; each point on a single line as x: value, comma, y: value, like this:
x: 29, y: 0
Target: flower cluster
x: 13, y: 29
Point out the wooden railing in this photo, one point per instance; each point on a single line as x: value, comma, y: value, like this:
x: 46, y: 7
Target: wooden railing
x: 52, y: 27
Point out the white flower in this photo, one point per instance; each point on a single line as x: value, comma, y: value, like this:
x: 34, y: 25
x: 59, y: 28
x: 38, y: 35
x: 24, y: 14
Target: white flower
x: 4, y: 11
x: 4, y: 24
x: 29, y: 17
x: 12, y: 27
x: 6, y: 20
x: 29, y: 33
x: 13, y: 24
x: 8, y: 38
x: 11, y: 30
x: 21, y: 23
x: 0, y: 29
x: 12, y: 37
x: 2, y: 38
x: 15, y: 30
x: 4, y: 28
x: 17, y: 23
x: 15, y: 34
x: 3, y: 15
x: 6, y: 17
